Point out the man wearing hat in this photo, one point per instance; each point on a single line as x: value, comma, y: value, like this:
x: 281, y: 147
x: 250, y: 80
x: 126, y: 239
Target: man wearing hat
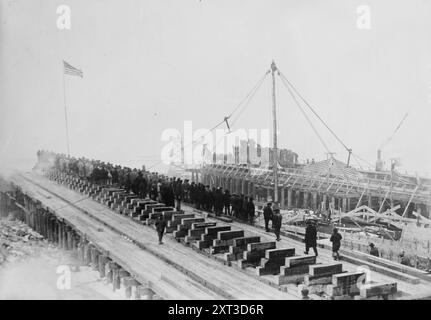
x: 267, y: 215
x: 336, y: 243
x: 373, y: 250
x: 310, y: 237
x: 276, y: 223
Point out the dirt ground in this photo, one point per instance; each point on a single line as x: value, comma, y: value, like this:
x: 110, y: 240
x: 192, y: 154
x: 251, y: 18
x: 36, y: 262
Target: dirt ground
x: 35, y: 269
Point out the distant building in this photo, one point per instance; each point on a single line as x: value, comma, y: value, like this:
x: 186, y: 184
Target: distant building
x: 251, y: 153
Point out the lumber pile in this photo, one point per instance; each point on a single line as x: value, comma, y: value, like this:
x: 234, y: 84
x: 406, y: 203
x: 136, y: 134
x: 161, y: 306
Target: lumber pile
x: 239, y: 245
x: 273, y: 260
x: 209, y: 235
x: 254, y: 253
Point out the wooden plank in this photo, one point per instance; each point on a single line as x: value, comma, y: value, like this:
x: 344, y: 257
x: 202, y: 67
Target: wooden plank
x: 139, y: 202
x: 202, y: 244
x: 279, y: 253
x: 213, y: 231
x: 225, y: 219
x: 160, y: 209
x: 179, y: 216
x: 244, y: 241
x: 274, y: 259
x: 187, y: 222
x: 203, y: 225
x: 209, y: 235
x: 338, y: 292
x: 220, y: 248
x: 317, y: 280
x: 183, y: 228
x: 326, y: 269
x: 291, y: 262
x: 195, y: 233
x: 167, y: 215
x: 255, y: 252
x: 261, y: 246
x: 388, y: 271
x: 149, y: 207
x: 377, y: 289
x: 347, y: 279
x: 227, y: 235
x: 297, y: 269
x: 290, y: 279
x: 231, y: 256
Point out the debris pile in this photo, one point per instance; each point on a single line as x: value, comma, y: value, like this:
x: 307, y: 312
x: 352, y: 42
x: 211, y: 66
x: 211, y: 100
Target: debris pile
x: 17, y: 241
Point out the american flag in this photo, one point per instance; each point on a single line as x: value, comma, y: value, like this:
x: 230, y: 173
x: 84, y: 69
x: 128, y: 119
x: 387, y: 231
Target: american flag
x: 72, y: 71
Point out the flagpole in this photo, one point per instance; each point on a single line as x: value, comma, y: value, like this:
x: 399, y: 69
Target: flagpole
x: 65, y: 114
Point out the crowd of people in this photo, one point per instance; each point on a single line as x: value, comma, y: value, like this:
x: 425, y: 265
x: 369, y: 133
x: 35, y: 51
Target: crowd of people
x: 173, y: 191
x: 169, y: 190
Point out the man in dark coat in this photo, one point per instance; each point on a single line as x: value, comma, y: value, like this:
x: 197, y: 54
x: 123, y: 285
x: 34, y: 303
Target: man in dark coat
x: 186, y: 191
x: 251, y: 210
x: 201, y: 196
x: 170, y: 195
x: 226, y: 202
x: 218, y: 201
x: 153, y: 192
x: 235, y: 207
x: 160, y: 227
x: 114, y: 174
x: 336, y: 243
x: 373, y: 250
x: 143, y: 187
x: 267, y: 215
x: 244, y: 206
x: 310, y: 237
x: 178, y: 192
x: 192, y: 192
x: 211, y: 199
x: 276, y: 223
x: 127, y: 182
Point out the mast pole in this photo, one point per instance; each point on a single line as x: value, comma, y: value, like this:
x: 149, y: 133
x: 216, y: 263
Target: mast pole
x: 275, y: 149
x: 65, y: 116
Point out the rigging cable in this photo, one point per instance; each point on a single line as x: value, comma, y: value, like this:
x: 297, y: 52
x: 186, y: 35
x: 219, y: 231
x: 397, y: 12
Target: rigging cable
x: 305, y: 115
x: 395, y: 131
x: 246, y: 99
x: 314, y: 112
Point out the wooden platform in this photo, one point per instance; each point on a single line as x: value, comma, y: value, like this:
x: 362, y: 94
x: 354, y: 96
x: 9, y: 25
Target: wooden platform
x: 218, y: 280
x: 274, y: 266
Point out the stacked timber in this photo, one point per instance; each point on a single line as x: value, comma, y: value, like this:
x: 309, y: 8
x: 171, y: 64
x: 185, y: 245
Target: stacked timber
x: 210, y: 234
x: 184, y: 226
x: 254, y: 253
x: 224, y: 240
x: 295, y: 268
x: 176, y: 221
x: 239, y: 245
x: 273, y: 260
x: 196, y: 230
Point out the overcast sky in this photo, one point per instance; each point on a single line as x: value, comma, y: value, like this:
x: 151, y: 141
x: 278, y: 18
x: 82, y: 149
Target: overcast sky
x: 151, y: 65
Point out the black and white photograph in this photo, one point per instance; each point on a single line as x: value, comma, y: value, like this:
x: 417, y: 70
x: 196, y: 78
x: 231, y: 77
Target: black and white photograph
x: 234, y: 151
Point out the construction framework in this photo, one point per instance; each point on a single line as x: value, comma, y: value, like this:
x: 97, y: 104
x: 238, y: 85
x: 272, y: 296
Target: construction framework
x: 327, y: 183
